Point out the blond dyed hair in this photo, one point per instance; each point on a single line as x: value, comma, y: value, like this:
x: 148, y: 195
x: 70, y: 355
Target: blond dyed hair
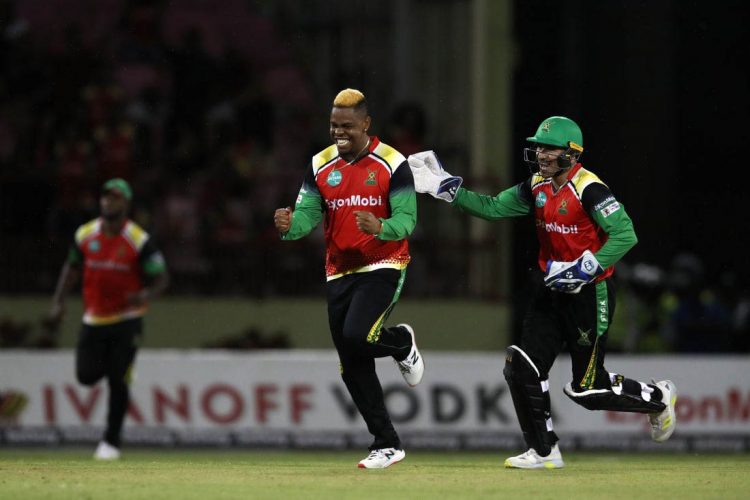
x: 349, y: 98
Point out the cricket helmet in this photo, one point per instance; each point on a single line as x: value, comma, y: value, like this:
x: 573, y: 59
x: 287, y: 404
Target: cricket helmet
x: 559, y: 131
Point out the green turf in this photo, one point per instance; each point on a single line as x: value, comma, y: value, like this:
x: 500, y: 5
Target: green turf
x: 31, y: 473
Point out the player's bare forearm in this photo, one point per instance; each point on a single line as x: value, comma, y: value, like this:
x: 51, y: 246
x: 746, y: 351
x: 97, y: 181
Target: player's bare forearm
x: 158, y: 286
x: 69, y: 276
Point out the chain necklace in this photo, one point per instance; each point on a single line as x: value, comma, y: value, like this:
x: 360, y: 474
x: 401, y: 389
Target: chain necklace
x: 358, y: 155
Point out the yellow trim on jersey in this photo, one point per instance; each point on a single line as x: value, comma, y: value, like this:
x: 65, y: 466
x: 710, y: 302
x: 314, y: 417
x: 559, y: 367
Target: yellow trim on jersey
x: 93, y: 320
x: 392, y: 157
x: 324, y: 157
x: 86, y: 230
x: 583, y: 178
x: 135, y: 235
x: 537, y: 179
x: 370, y: 267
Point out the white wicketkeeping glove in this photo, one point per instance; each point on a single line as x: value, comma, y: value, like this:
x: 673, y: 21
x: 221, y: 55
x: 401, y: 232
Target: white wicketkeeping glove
x: 431, y: 178
x: 569, y: 277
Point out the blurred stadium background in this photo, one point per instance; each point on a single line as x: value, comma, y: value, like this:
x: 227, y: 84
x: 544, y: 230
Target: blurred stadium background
x: 212, y: 111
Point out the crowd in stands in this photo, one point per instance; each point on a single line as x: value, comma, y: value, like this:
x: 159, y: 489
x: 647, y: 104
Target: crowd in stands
x: 207, y: 112
x: 204, y: 110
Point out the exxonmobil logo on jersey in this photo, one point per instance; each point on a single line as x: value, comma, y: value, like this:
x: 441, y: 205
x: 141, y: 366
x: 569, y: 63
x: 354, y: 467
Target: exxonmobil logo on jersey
x: 355, y: 200
x: 554, y: 227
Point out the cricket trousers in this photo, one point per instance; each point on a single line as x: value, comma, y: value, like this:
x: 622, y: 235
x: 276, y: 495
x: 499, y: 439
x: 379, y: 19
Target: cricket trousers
x: 358, y: 306
x: 109, y: 351
x: 578, y: 322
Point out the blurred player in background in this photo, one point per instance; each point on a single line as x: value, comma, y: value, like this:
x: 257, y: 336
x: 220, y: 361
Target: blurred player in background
x: 122, y: 270
x: 365, y: 192
x: 583, y: 231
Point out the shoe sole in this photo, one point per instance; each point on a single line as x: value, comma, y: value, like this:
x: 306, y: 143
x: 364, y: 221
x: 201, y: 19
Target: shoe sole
x: 544, y: 465
x: 362, y: 466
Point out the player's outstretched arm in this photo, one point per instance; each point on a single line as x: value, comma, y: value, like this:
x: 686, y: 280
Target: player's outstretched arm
x: 431, y: 178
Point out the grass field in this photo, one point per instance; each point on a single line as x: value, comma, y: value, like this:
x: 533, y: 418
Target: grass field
x: 159, y: 474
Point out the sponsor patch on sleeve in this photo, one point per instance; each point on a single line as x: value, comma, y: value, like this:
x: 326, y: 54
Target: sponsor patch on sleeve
x: 606, y: 201
x: 610, y: 209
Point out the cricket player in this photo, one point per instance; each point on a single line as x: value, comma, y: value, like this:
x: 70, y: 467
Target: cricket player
x: 583, y: 230
x: 122, y: 270
x: 364, y: 190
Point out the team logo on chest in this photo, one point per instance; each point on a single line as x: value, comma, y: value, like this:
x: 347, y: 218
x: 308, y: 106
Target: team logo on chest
x: 371, y: 180
x: 563, y: 210
x: 94, y: 246
x: 334, y: 178
x: 541, y: 200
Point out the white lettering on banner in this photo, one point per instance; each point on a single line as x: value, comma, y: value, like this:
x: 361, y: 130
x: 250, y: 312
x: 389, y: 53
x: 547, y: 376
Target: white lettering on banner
x: 354, y: 200
x: 302, y: 391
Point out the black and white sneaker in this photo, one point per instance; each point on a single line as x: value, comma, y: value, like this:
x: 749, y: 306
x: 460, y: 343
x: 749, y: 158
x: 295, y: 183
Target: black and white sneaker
x: 380, y: 459
x: 412, y: 367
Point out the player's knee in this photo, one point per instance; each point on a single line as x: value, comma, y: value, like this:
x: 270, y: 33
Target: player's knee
x: 355, y: 341
x: 595, y: 399
x: 87, y: 377
x: 519, y: 367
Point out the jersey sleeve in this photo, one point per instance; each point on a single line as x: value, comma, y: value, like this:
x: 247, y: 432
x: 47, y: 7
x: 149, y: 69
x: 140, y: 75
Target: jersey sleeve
x: 308, y: 209
x: 515, y: 201
x: 403, y: 202
x: 151, y: 259
x: 611, y: 216
x: 75, y: 255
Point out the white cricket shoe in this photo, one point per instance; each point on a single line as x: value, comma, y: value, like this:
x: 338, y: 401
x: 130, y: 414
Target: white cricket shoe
x: 380, y: 459
x: 663, y: 424
x: 412, y: 367
x: 532, y: 460
x: 106, y: 451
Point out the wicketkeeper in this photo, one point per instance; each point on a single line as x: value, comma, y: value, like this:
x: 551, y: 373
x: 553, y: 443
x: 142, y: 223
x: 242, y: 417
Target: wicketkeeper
x: 583, y: 231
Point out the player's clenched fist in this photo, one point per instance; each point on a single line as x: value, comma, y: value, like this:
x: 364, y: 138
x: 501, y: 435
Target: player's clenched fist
x: 367, y: 222
x: 282, y: 219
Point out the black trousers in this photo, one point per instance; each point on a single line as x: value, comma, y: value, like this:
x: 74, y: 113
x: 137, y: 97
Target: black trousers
x: 109, y: 351
x: 579, y: 322
x: 358, y: 306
